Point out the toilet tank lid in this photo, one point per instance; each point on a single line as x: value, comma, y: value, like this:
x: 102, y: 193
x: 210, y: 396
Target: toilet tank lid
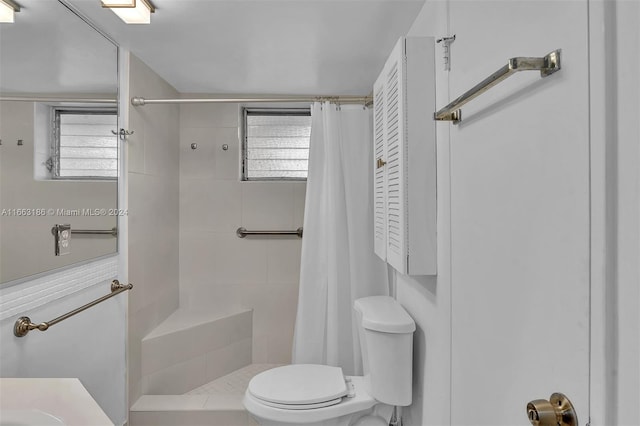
x: 384, y: 314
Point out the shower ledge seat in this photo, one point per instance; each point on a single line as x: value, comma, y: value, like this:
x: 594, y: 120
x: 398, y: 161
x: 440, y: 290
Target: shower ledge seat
x: 191, y: 348
x: 195, y: 368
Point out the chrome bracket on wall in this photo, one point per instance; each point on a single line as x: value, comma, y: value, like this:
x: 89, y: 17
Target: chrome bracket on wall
x: 446, y: 46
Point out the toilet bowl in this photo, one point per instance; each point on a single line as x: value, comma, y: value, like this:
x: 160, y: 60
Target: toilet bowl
x: 295, y: 408
x: 320, y: 395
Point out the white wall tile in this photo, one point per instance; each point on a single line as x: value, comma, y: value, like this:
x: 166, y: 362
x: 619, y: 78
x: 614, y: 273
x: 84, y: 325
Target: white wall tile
x: 161, y: 142
x: 209, y: 204
x: 169, y: 402
x: 299, y: 194
x: 283, y: 261
x: 191, y: 418
x: 199, y: 162
x: 227, y: 359
x: 209, y: 115
x: 267, y: 205
x: 228, y: 161
x: 209, y: 159
x: 279, y: 349
x: 196, y: 254
x: 260, y: 350
x: 222, y: 258
x: 274, y: 311
x: 239, y: 260
x: 218, y: 269
x: 164, y: 351
x: 176, y: 379
x: 153, y: 198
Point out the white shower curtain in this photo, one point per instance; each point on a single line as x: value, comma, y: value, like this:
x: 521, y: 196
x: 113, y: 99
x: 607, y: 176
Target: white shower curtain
x: 338, y: 264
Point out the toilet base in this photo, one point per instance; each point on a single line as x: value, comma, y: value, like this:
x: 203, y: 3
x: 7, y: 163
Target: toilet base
x: 368, y: 417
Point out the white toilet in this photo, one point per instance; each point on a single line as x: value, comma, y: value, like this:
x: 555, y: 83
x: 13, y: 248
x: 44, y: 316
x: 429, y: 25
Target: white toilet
x: 314, y: 395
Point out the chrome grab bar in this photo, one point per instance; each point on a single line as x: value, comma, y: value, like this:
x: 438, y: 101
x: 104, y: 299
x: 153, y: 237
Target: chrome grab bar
x: 547, y: 65
x: 24, y: 325
x: 242, y: 232
x: 113, y: 231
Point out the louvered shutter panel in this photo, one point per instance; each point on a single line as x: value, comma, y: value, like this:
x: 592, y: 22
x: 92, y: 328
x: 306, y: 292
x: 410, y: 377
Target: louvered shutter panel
x: 404, y: 141
x: 379, y: 175
x: 396, y: 241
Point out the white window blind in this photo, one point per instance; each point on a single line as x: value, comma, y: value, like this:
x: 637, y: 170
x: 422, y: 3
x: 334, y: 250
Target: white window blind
x: 276, y: 145
x: 84, y: 146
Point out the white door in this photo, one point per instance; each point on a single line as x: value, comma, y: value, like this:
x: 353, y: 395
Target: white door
x: 519, y: 213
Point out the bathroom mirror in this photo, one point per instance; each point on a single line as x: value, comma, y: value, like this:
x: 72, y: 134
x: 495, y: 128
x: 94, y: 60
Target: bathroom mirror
x: 58, y: 156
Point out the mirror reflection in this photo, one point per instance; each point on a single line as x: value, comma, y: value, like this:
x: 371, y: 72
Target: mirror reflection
x: 58, y: 155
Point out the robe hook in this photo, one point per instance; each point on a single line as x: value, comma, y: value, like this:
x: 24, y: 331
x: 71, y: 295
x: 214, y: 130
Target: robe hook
x: 123, y: 134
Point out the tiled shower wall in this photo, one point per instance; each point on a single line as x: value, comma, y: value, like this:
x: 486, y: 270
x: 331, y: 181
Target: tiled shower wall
x: 218, y: 270
x: 152, y: 178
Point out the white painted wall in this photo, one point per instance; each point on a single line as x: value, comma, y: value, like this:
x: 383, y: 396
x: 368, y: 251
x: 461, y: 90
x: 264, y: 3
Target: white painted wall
x: 153, y: 220
x: 218, y: 270
x: 520, y: 213
x: 513, y: 217
x: 89, y: 346
x: 627, y: 221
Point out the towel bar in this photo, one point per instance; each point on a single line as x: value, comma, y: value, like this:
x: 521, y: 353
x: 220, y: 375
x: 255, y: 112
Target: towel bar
x: 24, y: 325
x: 547, y: 65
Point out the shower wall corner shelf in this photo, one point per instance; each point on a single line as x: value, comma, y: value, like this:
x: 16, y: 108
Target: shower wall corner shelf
x: 547, y: 65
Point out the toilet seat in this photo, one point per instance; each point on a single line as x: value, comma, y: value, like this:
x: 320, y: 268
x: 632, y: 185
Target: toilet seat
x: 358, y: 401
x: 301, y: 406
x: 299, y: 387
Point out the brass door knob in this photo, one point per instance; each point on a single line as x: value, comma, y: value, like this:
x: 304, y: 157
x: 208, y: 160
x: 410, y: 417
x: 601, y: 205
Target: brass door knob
x: 557, y: 411
x: 380, y: 163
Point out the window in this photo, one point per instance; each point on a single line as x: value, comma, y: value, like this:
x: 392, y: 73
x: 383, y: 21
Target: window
x: 276, y: 144
x: 83, y: 146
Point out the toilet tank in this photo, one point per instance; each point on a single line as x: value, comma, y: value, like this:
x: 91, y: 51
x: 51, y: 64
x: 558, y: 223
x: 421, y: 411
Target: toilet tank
x: 386, y: 339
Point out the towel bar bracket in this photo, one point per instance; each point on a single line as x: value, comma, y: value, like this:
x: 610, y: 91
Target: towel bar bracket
x: 551, y: 63
x: 455, y: 116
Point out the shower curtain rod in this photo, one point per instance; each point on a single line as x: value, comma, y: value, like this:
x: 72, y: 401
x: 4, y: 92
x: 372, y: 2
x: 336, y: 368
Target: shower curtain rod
x: 79, y: 100
x: 140, y: 101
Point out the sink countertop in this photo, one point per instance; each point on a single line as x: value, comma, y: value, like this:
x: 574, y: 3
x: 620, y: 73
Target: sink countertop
x: 66, y: 399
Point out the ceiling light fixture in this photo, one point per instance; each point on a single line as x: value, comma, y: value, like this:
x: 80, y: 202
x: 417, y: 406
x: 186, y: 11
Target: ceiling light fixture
x: 7, y: 10
x: 131, y: 11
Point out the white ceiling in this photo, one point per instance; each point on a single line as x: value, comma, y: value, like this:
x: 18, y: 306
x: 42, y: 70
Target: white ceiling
x: 264, y: 46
